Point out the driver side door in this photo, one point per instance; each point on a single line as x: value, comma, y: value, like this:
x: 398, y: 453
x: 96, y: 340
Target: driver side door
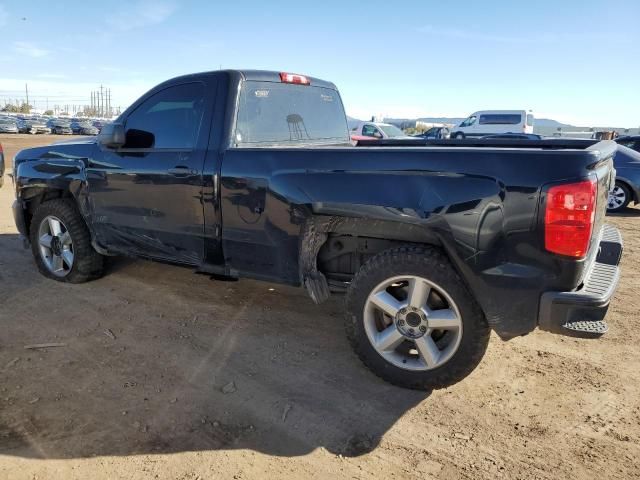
x: 147, y: 195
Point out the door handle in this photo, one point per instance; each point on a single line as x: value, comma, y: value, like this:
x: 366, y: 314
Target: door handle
x: 182, y: 171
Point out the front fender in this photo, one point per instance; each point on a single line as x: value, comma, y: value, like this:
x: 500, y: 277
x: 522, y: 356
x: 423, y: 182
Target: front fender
x: 38, y: 179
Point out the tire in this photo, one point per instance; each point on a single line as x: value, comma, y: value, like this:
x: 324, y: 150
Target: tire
x: 404, y: 366
x: 619, y: 197
x: 459, y: 136
x: 47, y: 246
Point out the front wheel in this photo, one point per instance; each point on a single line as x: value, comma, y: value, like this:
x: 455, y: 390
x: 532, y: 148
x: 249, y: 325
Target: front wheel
x: 459, y: 136
x: 619, y: 197
x: 413, y: 322
x: 61, y: 243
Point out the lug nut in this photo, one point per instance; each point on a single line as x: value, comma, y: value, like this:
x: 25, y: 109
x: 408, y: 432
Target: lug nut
x: 411, y: 330
x: 400, y: 322
x: 423, y: 329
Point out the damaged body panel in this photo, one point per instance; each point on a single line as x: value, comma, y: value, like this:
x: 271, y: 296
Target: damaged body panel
x: 184, y: 177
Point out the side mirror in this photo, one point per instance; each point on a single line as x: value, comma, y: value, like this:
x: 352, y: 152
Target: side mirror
x: 112, y: 135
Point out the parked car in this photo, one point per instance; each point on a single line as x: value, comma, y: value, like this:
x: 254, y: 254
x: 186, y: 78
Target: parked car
x: 630, y: 141
x: 8, y: 125
x: 1, y: 166
x: 488, y: 122
x: 377, y: 131
x: 627, y: 185
x: 435, y: 133
x: 98, y: 124
x: 427, y: 242
x: 83, y: 127
x: 33, y: 126
x: 60, y: 126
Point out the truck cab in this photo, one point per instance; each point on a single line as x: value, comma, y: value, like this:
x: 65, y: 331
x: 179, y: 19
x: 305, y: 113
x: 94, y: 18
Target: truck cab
x: 377, y: 131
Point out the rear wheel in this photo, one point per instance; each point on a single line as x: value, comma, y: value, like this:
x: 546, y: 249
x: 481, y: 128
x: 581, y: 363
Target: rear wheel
x: 619, y: 197
x: 412, y: 321
x: 459, y: 136
x: 61, y: 243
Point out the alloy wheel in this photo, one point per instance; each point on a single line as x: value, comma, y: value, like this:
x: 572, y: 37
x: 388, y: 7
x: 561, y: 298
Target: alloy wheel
x: 56, y: 246
x: 412, y: 323
x: 617, y: 198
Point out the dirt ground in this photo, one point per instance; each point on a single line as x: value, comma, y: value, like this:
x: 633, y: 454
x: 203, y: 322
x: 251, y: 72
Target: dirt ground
x: 169, y: 374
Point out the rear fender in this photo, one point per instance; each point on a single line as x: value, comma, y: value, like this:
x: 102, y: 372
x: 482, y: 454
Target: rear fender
x: 633, y: 186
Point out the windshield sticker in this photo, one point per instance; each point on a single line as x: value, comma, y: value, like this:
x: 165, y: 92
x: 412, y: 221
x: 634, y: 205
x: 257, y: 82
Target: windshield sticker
x: 261, y: 93
x: 326, y: 98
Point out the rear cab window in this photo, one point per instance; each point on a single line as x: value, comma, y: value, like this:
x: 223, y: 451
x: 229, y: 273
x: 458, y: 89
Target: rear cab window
x: 283, y: 114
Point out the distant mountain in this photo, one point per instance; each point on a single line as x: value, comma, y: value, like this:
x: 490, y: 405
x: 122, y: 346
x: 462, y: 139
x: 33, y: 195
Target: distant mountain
x: 539, y: 122
x: 547, y: 122
x: 352, y: 122
x: 454, y: 120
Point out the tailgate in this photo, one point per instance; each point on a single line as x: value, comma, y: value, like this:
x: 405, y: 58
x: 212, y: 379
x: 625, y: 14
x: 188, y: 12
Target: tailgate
x: 606, y: 174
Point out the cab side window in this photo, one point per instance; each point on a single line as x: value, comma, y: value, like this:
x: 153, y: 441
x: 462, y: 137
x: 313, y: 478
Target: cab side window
x: 469, y: 121
x: 169, y: 119
x: 370, y: 131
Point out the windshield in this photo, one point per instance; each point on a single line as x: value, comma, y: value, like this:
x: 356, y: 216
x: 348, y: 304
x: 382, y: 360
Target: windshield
x: 281, y: 113
x: 391, y: 131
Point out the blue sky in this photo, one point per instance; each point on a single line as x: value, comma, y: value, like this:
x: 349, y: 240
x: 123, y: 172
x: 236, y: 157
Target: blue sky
x: 574, y: 61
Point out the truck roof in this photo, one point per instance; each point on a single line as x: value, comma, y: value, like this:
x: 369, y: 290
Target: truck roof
x: 254, y: 75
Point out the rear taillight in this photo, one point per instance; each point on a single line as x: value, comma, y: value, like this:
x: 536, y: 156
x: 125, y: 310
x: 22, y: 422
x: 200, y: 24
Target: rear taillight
x: 294, y: 78
x: 568, y: 218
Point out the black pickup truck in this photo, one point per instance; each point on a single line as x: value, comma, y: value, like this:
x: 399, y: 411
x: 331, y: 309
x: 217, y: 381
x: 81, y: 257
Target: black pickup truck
x: 252, y: 174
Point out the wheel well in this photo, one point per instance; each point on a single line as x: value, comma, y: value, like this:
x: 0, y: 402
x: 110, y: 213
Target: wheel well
x: 632, y: 191
x: 342, y: 255
x: 35, y: 197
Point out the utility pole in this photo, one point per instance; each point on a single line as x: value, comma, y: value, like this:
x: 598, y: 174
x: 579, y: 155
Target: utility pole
x: 26, y: 90
x: 101, y: 103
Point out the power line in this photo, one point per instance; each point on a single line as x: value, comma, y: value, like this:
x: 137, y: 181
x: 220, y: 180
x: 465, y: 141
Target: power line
x: 100, y: 102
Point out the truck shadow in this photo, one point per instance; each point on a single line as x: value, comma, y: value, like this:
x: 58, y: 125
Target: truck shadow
x: 626, y: 212
x: 159, y: 360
